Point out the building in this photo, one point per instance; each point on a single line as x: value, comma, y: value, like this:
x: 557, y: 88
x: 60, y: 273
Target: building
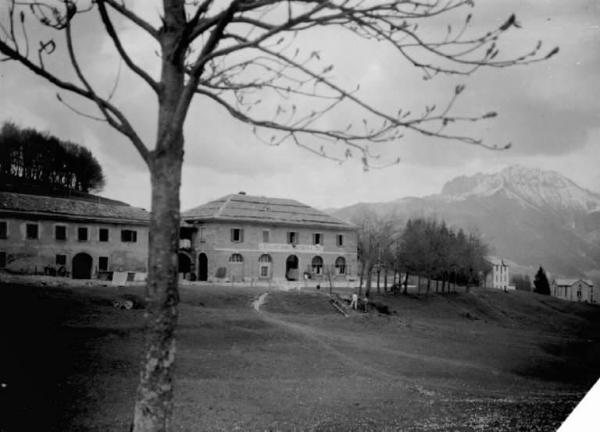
x: 81, y: 237
x: 579, y: 290
x: 250, y: 238
x: 235, y: 238
x: 499, y: 276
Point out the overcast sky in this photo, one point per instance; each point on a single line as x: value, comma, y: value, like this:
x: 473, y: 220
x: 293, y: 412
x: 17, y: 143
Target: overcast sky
x: 549, y: 111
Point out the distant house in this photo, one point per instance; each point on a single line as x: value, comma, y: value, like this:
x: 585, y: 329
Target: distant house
x: 499, y: 276
x: 579, y: 290
x: 241, y: 238
x: 78, y: 237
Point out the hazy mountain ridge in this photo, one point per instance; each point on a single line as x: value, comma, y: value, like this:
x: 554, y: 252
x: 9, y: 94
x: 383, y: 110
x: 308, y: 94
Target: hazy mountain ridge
x: 530, y: 216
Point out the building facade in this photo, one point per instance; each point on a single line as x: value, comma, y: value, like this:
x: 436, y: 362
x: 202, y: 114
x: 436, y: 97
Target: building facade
x: 80, y: 238
x: 578, y: 290
x: 499, y: 276
x: 249, y: 238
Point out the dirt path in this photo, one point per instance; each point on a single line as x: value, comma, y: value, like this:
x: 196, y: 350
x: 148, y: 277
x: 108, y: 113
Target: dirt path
x: 326, y: 340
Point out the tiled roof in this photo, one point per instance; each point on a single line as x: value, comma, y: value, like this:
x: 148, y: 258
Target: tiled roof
x: 569, y: 282
x: 246, y: 208
x: 496, y: 261
x: 72, y: 208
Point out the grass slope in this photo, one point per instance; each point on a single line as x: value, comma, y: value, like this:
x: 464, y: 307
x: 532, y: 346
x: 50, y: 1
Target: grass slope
x: 484, y: 360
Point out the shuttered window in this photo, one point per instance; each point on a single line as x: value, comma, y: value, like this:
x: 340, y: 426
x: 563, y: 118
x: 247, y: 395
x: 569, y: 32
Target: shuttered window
x: 237, y: 235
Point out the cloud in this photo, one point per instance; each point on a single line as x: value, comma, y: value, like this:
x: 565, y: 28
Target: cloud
x: 549, y: 110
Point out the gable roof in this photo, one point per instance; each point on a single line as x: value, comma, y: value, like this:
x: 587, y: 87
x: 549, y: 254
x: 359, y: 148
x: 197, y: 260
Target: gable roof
x: 569, y: 282
x: 246, y: 208
x: 496, y: 261
x: 88, y: 209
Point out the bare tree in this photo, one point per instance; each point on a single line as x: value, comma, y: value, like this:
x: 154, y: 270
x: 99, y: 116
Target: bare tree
x: 375, y: 236
x: 243, y: 55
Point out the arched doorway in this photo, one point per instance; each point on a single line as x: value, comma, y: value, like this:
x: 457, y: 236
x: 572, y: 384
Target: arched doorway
x: 81, y: 266
x: 202, y: 267
x: 184, y: 263
x: 291, y: 268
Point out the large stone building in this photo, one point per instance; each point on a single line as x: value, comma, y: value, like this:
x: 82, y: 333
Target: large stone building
x: 78, y: 237
x: 248, y: 238
x: 235, y: 238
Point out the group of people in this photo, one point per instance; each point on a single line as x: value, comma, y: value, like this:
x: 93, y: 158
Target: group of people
x: 364, y: 303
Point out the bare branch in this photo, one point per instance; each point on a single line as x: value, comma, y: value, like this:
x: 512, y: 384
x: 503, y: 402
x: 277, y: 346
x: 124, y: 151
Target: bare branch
x: 117, y: 42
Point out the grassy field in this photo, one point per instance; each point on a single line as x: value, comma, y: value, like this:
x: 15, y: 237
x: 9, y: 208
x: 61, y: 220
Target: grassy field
x: 478, y: 361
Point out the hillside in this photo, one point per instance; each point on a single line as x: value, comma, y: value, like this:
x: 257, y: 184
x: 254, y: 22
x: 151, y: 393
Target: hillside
x: 528, y: 216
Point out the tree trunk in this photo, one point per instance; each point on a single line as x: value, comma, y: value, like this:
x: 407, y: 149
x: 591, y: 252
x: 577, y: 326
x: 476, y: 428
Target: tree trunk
x: 154, y: 400
x: 155, y: 391
x: 405, y: 291
x: 378, y: 279
x: 385, y: 276
x: 368, y: 285
x: 419, y: 283
x: 362, y: 278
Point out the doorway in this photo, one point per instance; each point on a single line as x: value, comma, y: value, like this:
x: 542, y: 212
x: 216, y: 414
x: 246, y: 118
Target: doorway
x: 184, y: 263
x: 82, y: 266
x: 291, y: 268
x: 202, y: 267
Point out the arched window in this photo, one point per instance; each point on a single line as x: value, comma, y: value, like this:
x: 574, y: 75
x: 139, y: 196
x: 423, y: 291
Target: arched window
x: 340, y: 265
x: 236, y: 258
x: 317, y: 265
x: 264, y: 266
x: 265, y: 258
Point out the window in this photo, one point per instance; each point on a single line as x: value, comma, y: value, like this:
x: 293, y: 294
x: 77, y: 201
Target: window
x: 340, y: 240
x: 340, y: 265
x: 103, y: 263
x: 82, y: 234
x: 264, y: 266
x: 2, y: 259
x: 317, y: 265
x: 317, y: 239
x: 3, y: 229
x: 292, y: 237
x: 61, y: 260
x: 128, y: 236
x: 31, y: 231
x: 103, y: 234
x: 237, y: 235
x: 265, y: 236
x: 236, y: 258
x: 60, y: 232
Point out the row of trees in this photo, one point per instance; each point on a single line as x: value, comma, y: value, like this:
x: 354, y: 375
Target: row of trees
x: 28, y: 156
x: 541, y: 284
x: 425, y: 248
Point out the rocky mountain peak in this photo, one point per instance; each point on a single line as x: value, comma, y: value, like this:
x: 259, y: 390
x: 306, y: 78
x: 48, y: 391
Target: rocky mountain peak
x: 532, y: 186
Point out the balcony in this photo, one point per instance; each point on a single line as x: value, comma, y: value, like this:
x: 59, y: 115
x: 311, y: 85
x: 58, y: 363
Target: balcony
x: 185, y: 244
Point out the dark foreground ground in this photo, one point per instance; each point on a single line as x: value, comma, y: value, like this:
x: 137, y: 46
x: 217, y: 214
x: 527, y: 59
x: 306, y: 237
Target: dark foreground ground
x: 479, y: 361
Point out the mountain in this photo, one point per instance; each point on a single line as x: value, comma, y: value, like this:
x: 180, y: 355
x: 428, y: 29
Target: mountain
x: 529, y: 216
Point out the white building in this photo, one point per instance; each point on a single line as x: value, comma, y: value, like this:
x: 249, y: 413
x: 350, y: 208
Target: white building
x: 579, y: 290
x: 499, y: 277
